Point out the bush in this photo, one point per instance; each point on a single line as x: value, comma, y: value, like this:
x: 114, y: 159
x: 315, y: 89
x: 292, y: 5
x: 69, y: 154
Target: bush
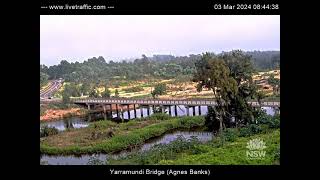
x: 275, y: 123
x: 271, y: 121
x: 159, y: 116
x: 244, y: 132
x: 254, y: 129
x: 48, y: 131
x: 230, y: 134
x: 264, y: 128
x: 251, y: 129
x: 133, y: 89
x: 277, y: 154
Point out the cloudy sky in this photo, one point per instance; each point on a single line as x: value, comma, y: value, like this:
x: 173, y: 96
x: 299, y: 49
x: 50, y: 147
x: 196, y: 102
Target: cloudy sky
x: 77, y: 38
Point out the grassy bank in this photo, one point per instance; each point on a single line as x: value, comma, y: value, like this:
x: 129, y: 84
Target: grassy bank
x: 107, y: 137
x: 232, y: 153
x: 227, y: 148
x: 216, y: 152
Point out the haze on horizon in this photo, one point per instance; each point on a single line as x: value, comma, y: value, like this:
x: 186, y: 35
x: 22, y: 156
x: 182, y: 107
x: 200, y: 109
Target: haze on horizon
x: 78, y: 38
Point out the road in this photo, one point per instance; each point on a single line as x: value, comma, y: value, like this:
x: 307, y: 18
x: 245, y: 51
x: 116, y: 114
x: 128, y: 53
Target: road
x: 53, y: 87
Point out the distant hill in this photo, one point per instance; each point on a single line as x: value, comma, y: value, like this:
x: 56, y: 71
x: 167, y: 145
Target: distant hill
x: 265, y: 60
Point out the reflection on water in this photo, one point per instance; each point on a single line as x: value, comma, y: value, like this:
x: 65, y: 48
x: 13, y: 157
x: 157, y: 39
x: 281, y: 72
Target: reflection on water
x: 101, y: 158
x: 166, y: 139
x: 77, y: 122
x: 80, y: 122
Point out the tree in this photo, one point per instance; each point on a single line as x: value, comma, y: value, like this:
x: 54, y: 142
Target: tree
x: 94, y: 93
x: 259, y: 96
x: 181, y: 81
x: 43, y: 79
x: 275, y: 83
x: 159, y: 89
x: 106, y: 93
x: 229, y: 77
x: 85, y: 88
x: 66, y: 94
x: 116, y: 93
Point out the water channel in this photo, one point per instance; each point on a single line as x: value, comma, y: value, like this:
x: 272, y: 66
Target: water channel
x: 80, y: 122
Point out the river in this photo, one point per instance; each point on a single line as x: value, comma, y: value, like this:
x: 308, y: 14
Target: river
x: 86, y: 159
x: 80, y: 122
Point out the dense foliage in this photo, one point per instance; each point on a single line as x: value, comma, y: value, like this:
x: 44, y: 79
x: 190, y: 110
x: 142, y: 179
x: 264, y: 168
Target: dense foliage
x: 97, y: 70
x: 229, y: 76
x: 159, y: 89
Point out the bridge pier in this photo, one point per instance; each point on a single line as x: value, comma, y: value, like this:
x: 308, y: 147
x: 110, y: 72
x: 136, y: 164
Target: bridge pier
x: 141, y: 110
x: 134, y: 110
x: 111, y: 110
x: 199, y: 109
x: 162, y: 109
x: 194, y: 110
x: 148, y: 110
x: 104, y: 109
x: 121, y: 109
x: 104, y: 116
x: 170, y: 113
x: 175, y: 111
x: 187, y: 110
x: 117, y: 110
x: 128, y: 110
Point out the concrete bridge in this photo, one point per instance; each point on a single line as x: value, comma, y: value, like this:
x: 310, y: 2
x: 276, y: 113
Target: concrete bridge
x: 92, y: 103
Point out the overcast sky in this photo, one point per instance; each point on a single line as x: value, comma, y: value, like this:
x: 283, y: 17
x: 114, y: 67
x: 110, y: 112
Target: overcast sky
x: 77, y: 38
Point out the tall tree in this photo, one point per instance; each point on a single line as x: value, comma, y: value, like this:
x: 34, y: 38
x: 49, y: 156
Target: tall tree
x: 229, y: 77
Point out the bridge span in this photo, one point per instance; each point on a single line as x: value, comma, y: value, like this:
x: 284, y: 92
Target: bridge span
x: 92, y: 103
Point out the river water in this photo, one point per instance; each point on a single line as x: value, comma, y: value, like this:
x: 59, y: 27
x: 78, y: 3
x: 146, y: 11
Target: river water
x: 80, y: 122
x: 86, y: 159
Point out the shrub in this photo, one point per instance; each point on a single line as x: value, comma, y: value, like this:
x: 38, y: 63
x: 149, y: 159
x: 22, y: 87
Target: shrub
x: 277, y: 154
x: 251, y: 129
x: 254, y: 129
x: 275, y: 123
x: 133, y: 89
x: 264, y: 128
x: 48, y: 131
x: 271, y: 121
x: 244, y: 132
x: 230, y: 134
x: 159, y: 116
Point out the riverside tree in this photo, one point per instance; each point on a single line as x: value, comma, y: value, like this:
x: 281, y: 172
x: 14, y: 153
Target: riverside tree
x: 229, y: 76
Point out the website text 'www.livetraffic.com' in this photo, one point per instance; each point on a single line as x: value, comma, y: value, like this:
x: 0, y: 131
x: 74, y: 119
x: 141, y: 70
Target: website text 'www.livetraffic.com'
x: 85, y: 6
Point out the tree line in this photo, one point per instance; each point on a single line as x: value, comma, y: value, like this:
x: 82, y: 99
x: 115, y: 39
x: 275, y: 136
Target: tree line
x: 96, y: 70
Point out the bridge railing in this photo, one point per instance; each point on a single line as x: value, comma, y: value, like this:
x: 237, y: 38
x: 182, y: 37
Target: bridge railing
x: 162, y: 101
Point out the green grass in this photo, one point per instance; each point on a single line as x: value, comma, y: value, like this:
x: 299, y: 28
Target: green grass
x: 232, y: 153
x: 215, y: 152
x: 125, y: 139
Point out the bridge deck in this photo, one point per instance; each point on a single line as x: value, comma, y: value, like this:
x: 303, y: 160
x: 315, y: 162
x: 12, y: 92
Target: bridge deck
x: 196, y: 102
